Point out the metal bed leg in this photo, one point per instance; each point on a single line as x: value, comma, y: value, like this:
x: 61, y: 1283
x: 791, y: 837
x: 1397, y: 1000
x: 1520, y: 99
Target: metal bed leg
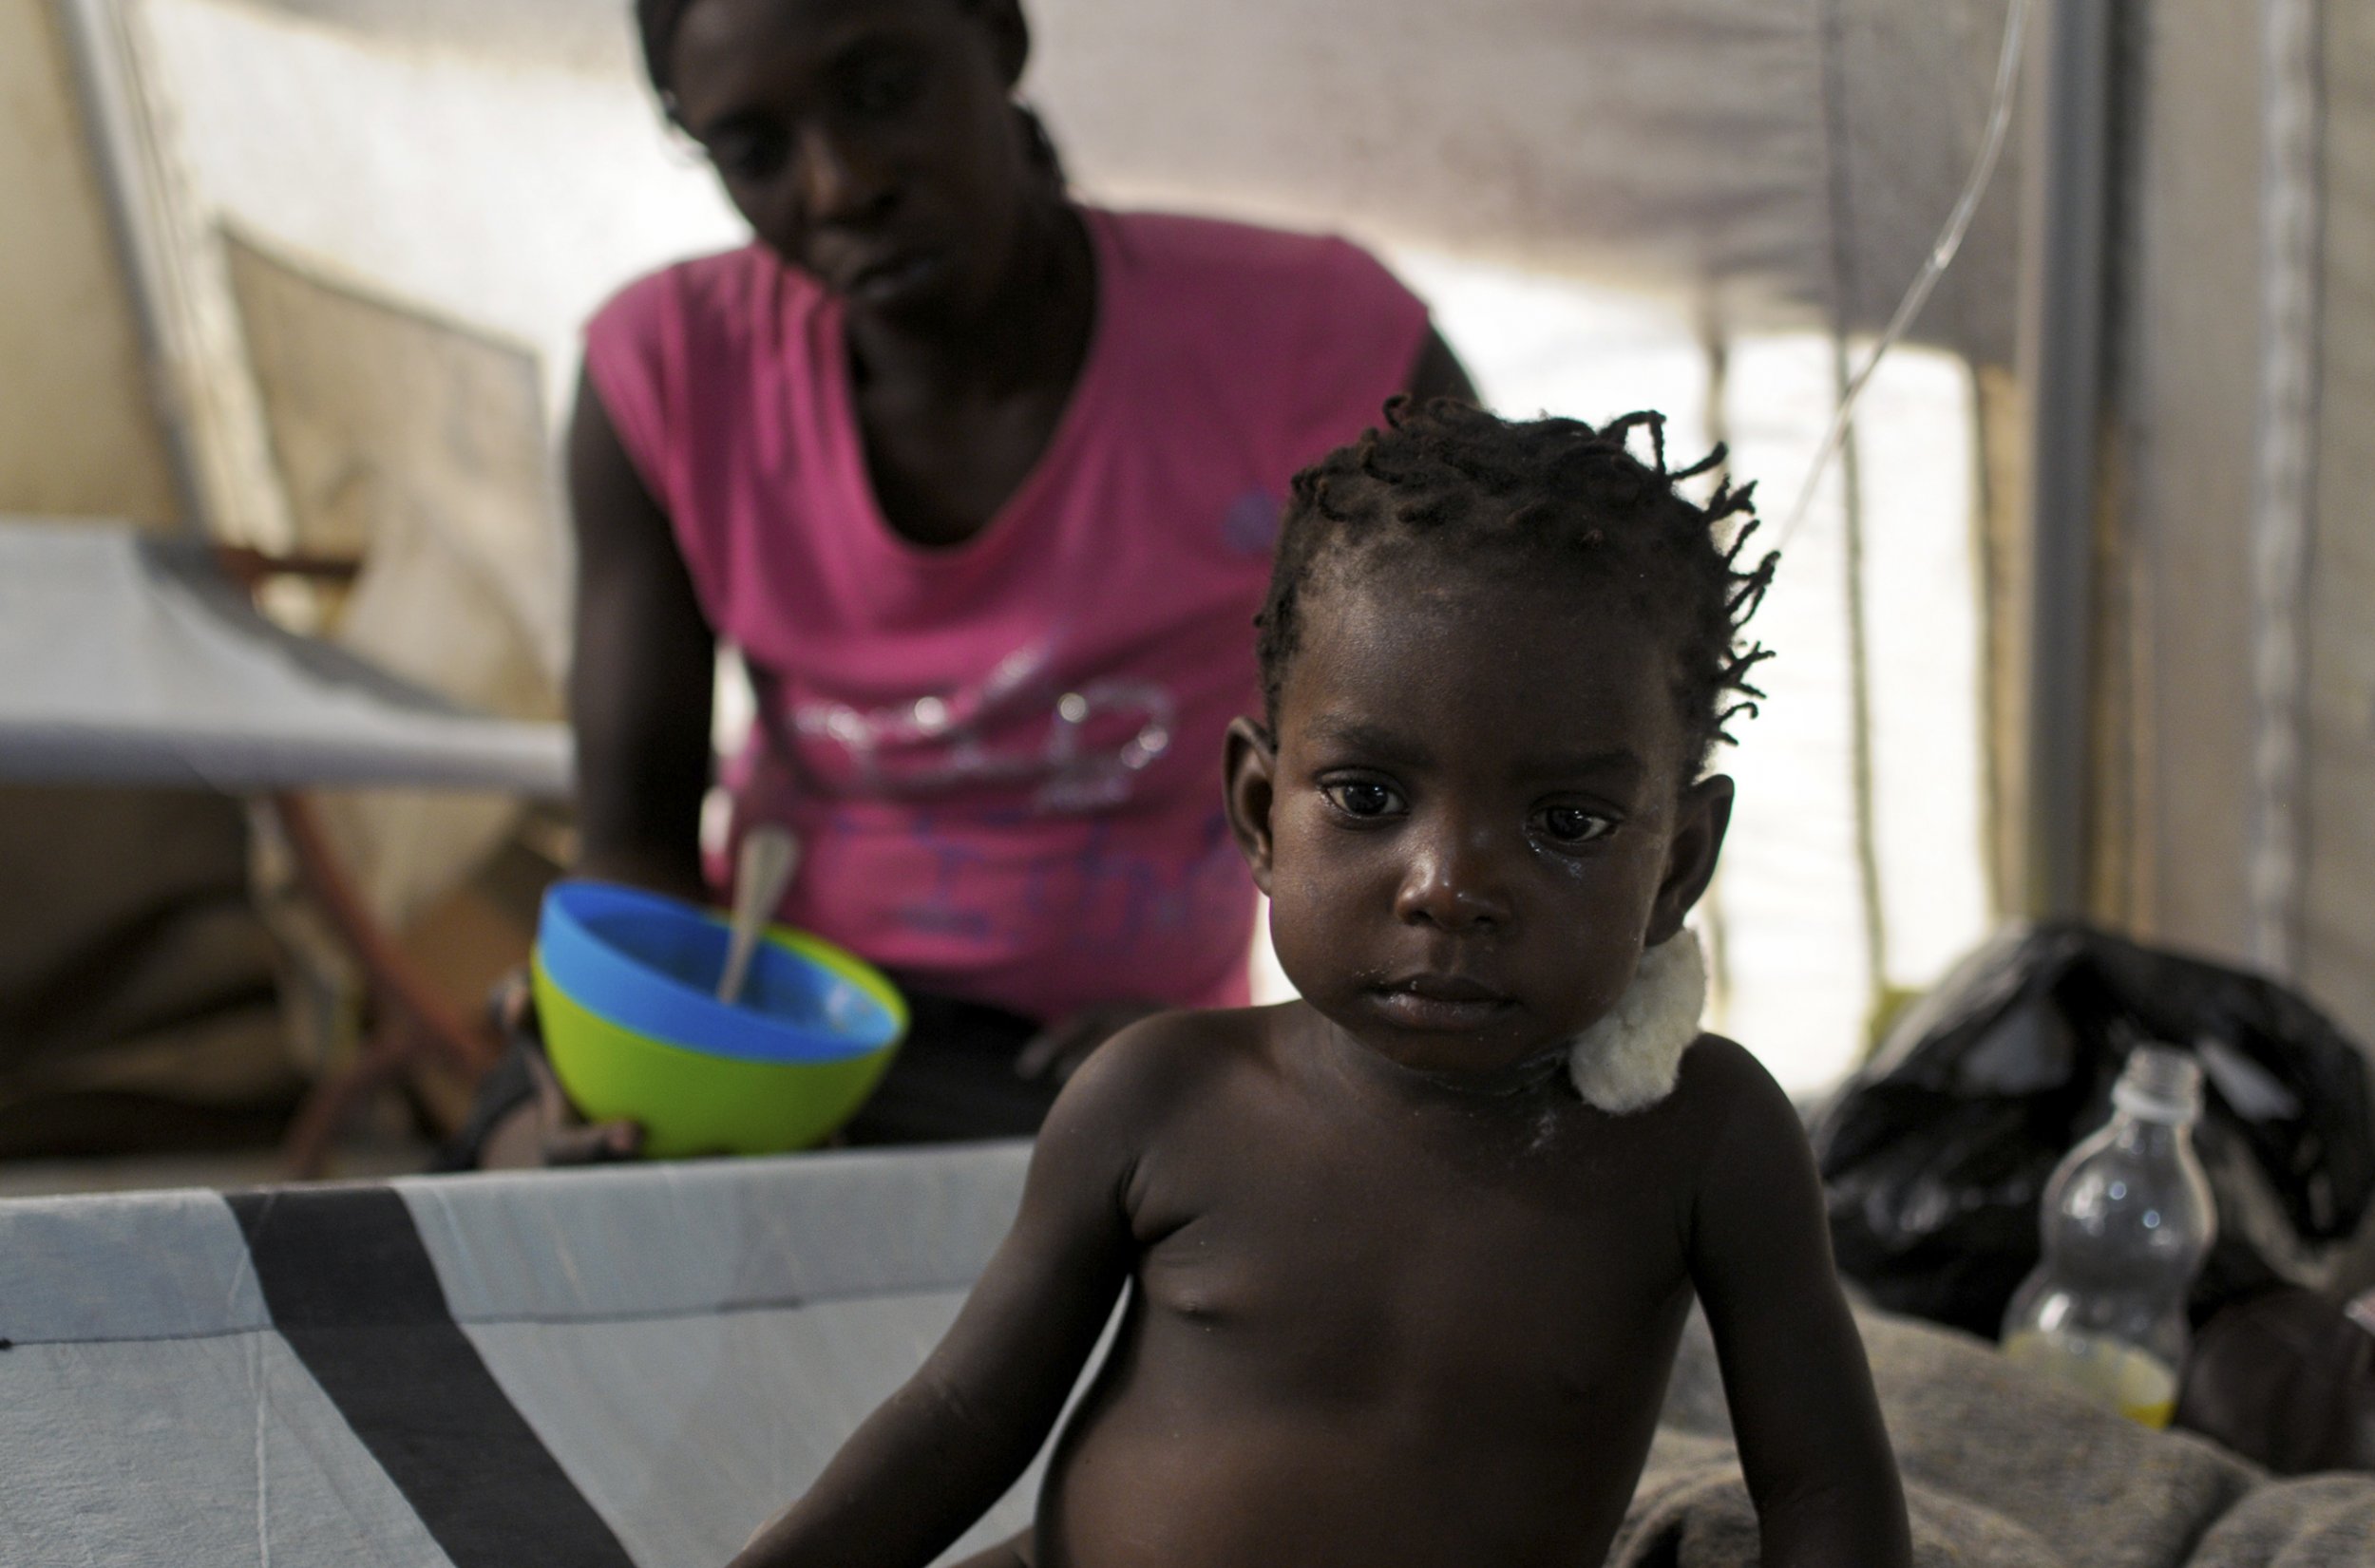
x: 413, y: 1026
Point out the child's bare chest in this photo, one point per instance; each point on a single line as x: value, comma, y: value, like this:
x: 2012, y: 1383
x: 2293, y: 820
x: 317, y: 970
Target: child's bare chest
x: 1532, y: 1281
x: 1347, y: 1345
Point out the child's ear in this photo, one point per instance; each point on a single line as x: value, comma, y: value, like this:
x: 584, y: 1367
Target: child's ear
x: 1252, y: 772
x: 1699, y: 822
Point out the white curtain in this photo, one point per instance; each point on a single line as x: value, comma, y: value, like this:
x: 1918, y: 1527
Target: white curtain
x: 1701, y: 205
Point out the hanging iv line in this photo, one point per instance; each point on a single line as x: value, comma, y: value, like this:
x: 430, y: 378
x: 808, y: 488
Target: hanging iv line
x: 1942, y: 256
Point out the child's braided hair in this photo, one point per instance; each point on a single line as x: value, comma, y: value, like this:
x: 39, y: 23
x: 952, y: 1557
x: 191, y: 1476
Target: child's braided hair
x: 1462, y: 484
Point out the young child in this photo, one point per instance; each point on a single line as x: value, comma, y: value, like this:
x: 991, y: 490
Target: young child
x: 1409, y: 1258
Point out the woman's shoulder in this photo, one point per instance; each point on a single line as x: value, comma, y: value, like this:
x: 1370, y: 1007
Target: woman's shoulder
x: 1301, y: 336
x: 1185, y: 253
x: 1192, y: 240
x: 724, y: 295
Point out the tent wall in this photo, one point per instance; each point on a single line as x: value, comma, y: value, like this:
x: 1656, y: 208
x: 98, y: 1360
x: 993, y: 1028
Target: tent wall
x: 1685, y: 146
x: 78, y: 433
x: 2182, y: 768
x: 1761, y: 167
x: 2338, y: 909
x: 1767, y: 166
x: 1705, y: 206
x: 1775, y: 162
x: 2188, y: 284
x: 184, y: 1043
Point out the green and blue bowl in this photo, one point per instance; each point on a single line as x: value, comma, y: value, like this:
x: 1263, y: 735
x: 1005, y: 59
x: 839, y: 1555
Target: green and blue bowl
x: 626, y: 996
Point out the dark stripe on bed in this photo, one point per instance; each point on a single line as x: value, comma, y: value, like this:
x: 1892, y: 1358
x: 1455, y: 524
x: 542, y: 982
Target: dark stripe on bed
x: 352, y: 1289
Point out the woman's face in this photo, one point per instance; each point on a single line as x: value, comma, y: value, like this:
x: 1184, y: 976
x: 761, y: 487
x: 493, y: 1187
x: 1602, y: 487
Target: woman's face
x: 870, y: 142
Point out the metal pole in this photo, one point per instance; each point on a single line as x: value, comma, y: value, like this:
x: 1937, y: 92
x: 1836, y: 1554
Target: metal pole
x: 2064, y: 279
x: 2284, y: 503
x: 120, y: 155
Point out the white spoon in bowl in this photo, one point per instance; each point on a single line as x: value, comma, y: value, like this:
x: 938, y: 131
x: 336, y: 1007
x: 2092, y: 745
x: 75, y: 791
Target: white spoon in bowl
x: 762, y: 871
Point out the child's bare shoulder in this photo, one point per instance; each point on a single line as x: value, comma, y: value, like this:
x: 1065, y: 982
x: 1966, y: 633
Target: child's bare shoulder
x: 1723, y: 1090
x: 1130, y: 1098
x: 1171, y: 1062
x: 1749, y: 1156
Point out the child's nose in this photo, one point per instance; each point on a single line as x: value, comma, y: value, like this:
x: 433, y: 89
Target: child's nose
x: 1452, y: 885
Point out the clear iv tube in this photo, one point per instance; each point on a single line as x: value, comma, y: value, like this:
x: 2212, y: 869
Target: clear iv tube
x: 1942, y: 254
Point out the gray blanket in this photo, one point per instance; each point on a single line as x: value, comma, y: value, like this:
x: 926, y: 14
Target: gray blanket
x: 634, y: 1367
x: 2001, y: 1471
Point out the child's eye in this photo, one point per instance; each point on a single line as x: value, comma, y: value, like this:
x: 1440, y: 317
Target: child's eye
x: 1361, y: 797
x: 1572, y: 824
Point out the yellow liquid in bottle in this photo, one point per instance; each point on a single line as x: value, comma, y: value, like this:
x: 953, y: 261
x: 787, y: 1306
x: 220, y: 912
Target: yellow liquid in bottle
x: 2108, y: 1372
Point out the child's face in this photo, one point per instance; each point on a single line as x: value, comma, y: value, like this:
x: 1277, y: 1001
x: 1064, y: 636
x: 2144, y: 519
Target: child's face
x: 1477, y: 815
x: 868, y: 141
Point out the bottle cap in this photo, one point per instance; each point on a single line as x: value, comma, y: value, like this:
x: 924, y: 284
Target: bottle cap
x: 2160, y: 1084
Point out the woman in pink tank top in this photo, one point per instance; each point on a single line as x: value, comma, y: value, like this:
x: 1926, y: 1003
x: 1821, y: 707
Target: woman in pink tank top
x: 981, y: 484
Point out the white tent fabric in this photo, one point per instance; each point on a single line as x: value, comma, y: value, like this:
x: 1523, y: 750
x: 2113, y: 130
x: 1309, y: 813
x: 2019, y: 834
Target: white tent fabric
x: 124, y: 658
x: 2236, y: 805
x: 2336, y: 801
x: 1613, y: 205
x: 1758, y: 166
x: 632, y: 1368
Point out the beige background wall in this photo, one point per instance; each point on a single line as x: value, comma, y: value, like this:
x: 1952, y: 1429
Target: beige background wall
x: 2186, y: 376
x: 2339, y: 908
x: 184, y: 1047
x: 1750, y: 190
x: 77, y: 432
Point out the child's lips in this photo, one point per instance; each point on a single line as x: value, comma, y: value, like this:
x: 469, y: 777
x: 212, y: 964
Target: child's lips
x: 1450, y: 1002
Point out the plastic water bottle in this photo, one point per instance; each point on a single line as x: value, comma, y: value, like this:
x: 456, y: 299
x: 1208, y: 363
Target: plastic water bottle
x: 2128, y: 1218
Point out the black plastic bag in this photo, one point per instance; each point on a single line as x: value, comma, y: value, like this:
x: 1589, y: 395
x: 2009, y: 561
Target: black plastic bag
x: 1934, y: 1157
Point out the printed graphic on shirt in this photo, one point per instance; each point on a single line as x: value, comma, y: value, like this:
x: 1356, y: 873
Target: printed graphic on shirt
x: 1251, y: 524
x: 1070, y: 748
x: 1107, y: 899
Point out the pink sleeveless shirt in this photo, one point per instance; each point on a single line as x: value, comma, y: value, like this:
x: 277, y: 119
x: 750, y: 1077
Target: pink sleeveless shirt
x: 1003, y: 759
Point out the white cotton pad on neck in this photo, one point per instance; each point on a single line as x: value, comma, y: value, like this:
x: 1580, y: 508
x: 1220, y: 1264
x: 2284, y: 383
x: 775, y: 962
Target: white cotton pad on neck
x: 1629, y: 1059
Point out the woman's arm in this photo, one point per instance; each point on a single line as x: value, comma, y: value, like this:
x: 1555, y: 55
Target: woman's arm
x: 639, y: 692
x: 938, y: 1452
x: 642, y: 684
x: 1812, y: 1442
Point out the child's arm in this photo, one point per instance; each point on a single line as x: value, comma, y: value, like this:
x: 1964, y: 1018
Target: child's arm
x: 1810, y: 1438
x: 945, y: 1446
